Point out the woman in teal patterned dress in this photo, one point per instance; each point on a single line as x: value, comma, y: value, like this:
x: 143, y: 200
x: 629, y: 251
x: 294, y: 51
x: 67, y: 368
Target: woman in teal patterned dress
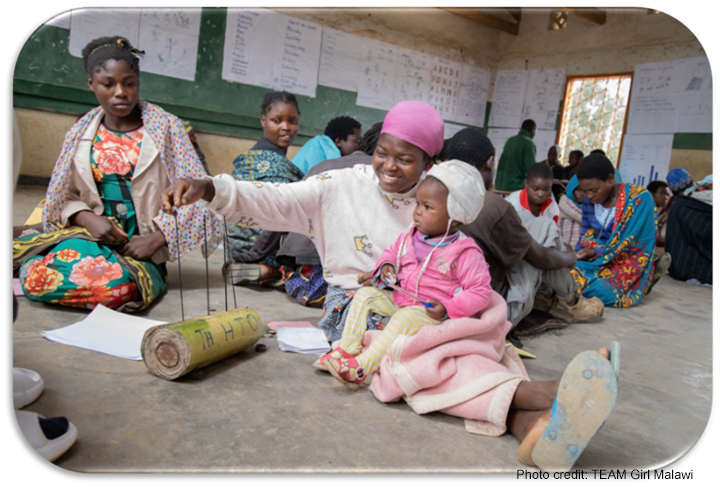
x: 106, y: 240
x: 266, y: 162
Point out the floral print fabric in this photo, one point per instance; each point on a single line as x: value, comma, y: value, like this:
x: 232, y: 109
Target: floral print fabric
x: 81, y: 273
x: 263, y: 166
x: 69, y: 276
x: 178, y: 157
x: 115, y: 153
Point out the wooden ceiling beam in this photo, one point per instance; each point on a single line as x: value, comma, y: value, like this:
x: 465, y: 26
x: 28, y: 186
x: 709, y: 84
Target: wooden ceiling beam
x: 485, y: 19
x: 592, y: 14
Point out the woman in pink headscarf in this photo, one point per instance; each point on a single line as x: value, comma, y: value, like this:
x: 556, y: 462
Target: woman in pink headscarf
x: 351, y: 215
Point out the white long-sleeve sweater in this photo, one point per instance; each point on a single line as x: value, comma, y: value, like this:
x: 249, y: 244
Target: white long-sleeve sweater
x: 345, y: 213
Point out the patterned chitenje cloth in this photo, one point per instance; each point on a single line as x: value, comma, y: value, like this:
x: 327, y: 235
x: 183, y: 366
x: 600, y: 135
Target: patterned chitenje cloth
x: 83, y: 273
x: 305, y: 284
x: 179, y: 160
x: 620, y: 274
x: 263, y: 166
x: 335, y: 312
x: 69, y: 267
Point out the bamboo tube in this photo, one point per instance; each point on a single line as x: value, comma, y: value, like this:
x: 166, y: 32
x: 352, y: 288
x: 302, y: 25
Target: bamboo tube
x: 171, y: 351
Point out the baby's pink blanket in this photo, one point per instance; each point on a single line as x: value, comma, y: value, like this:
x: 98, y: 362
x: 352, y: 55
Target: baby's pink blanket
x: 461, y: 367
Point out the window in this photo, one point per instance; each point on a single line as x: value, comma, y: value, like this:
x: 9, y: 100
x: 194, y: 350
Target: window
x: 594, y: 114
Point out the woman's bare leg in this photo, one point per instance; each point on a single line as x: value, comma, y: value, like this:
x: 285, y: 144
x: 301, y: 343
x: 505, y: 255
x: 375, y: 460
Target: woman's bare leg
x: 528, y: 423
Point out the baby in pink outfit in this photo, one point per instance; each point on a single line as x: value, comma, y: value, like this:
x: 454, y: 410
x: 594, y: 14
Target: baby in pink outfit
x: 436, y: 272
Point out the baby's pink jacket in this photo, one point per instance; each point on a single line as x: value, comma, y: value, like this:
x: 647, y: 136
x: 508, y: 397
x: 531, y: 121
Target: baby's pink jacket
x: 457, y: 275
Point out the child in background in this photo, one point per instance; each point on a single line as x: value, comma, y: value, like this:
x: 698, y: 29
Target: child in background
x: 340, y: 139
x: 534, y: 201
x: 265, y: 162
x: 432, y: 260
x: 571, y: 212
x: 574, y: 159
x: 661, y: 194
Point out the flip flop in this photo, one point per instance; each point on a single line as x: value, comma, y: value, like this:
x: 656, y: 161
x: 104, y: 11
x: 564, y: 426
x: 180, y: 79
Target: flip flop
x: 615, y: 358
x: 27, y: 386
x: 49, y: 449
x: 586, y: 396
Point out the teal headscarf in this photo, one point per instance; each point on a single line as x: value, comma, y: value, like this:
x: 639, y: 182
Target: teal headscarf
x: 574, y: 183
x: 571, y: 187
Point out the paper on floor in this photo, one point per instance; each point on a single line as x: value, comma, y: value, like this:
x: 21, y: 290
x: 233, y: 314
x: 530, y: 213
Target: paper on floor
x: 274, y: 325
x: 106, y: 331
x: 302, y: 340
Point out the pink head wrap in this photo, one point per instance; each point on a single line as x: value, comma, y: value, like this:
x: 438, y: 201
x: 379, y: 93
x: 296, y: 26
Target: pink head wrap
x: 418, y: 123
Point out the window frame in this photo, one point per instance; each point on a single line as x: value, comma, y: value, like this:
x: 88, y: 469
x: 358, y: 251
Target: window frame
x: 566, y: 99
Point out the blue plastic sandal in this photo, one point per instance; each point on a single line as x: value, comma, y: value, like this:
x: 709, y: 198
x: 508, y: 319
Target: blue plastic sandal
x: 586, y: 396
x: 615, y: 358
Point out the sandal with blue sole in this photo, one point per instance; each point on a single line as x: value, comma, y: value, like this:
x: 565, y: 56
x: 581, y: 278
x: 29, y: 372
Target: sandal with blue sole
x: 586, y: 396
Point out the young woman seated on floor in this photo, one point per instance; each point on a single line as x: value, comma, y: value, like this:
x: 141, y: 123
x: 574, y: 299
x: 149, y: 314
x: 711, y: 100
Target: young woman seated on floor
x: 617, y: 236
x: 105, y: 239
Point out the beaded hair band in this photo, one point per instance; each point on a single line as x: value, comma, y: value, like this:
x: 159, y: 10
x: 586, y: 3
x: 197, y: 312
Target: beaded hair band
x: 121, y: 44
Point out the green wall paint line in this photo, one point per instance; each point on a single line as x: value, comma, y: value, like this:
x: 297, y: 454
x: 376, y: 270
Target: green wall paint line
x: 693, y: 141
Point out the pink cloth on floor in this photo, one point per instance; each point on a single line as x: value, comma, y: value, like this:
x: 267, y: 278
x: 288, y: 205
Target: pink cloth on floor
x: 461, y: 367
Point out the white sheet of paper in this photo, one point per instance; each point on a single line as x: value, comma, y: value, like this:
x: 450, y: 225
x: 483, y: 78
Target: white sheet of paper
x: 542, y: 97
x: 376, y: 86
x: 413, y: 72
x: 654, y: 99
x: 645, y: 158
x: 445, y: 85
x: 695, y: 104
x: 340, y: 65
x: 247, y: 53
x: 106, y: 331
x: 544, y: 139
x: 87, y: 24
x: 170, y: 38
x: 507, y: 104
x: 295, y: 68
x: 272, y: 50
x: 472, y: 99
x: 653, y: 113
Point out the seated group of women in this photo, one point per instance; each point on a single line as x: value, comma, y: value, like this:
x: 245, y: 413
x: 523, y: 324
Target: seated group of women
x: 121, y: 203
x: 106, y: 239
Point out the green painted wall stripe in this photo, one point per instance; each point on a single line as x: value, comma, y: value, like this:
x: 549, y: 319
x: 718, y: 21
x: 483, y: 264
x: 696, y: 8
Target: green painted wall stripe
x: 693, y: 141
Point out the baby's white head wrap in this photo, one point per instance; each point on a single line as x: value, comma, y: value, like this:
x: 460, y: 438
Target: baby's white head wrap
x: 466, y: 189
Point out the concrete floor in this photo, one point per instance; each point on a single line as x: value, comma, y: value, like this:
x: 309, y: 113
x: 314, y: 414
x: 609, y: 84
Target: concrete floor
x: 273, y: 412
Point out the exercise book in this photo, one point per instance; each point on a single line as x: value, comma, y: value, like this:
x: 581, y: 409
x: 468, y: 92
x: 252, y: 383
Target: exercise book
x: 302, y: 340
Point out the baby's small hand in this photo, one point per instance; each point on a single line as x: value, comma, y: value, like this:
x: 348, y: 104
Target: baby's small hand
x: 387, y: 273
x: 437, y: 312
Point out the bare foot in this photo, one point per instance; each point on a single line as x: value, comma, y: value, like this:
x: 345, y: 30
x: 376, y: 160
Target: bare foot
x: 534, y: 432
x: 265, y: 272
x: 605, y: 352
